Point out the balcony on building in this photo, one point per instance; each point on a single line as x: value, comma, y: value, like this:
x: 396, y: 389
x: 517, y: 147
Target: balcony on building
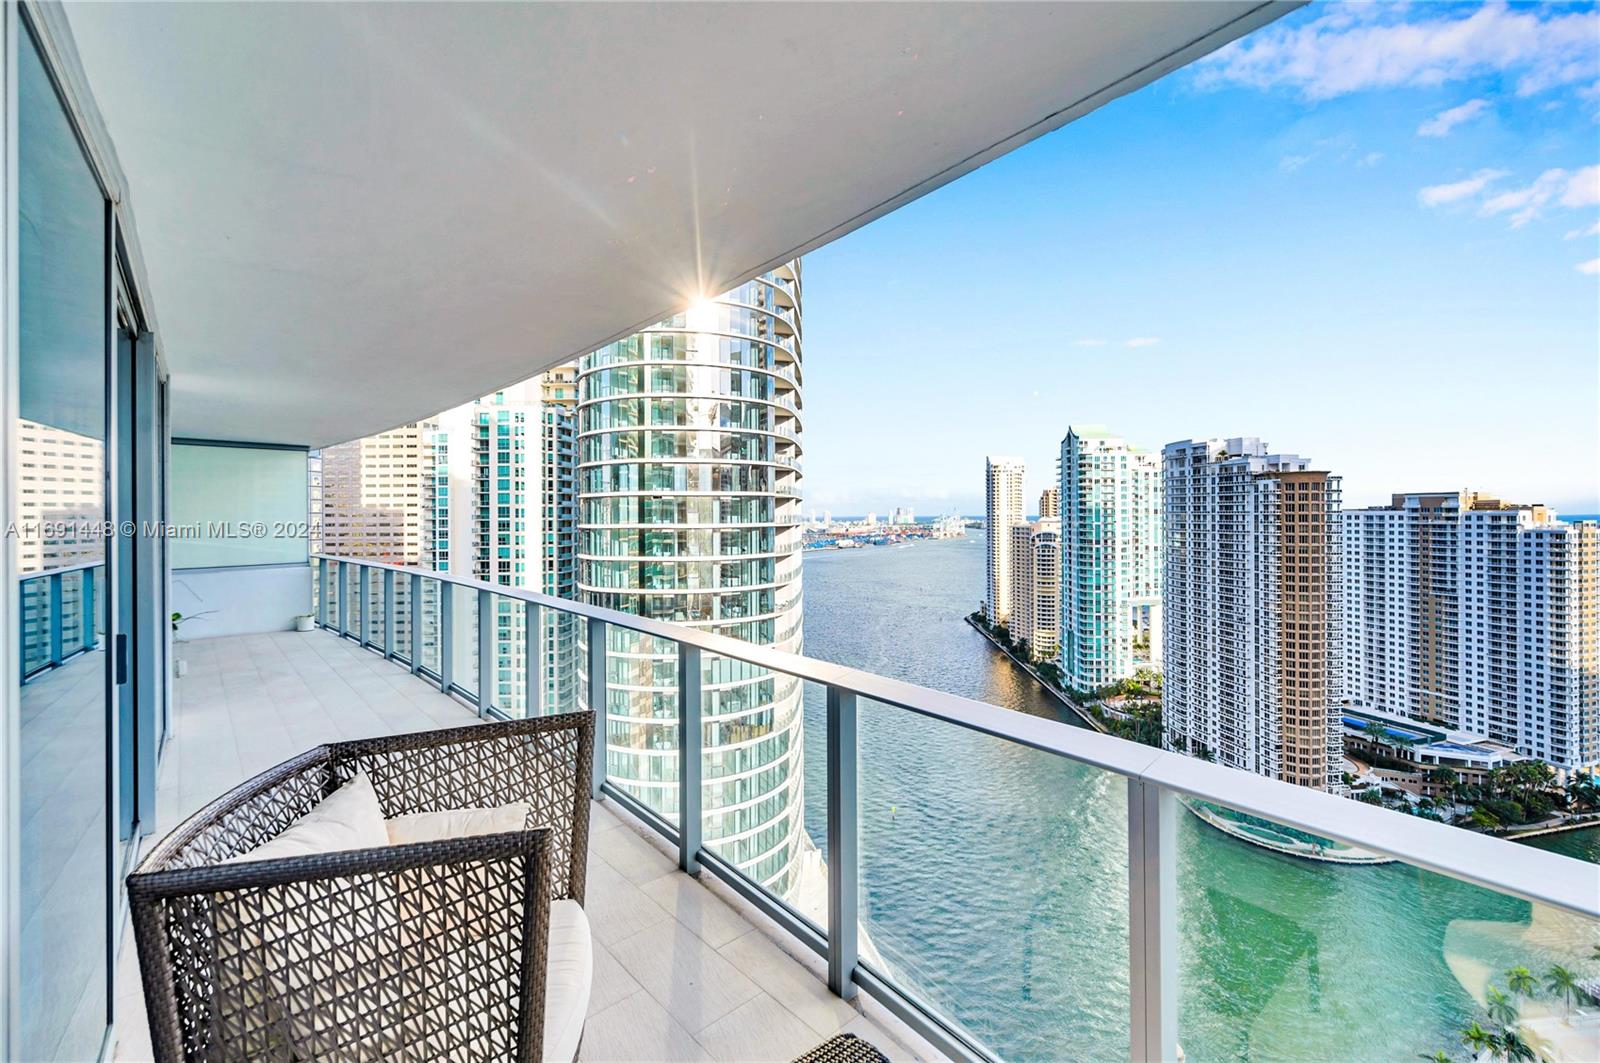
x: 244, y: 232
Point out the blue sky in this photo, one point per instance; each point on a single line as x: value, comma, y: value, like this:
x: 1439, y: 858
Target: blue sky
x: 1366, y: 235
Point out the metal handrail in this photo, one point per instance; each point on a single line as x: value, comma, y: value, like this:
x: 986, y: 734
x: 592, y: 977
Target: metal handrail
x: 1155, y: 777
x: 54, y: 631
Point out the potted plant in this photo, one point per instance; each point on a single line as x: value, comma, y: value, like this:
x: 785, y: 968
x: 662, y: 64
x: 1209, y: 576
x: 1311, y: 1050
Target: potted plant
x: 304, y: 622
x: 179, y: 665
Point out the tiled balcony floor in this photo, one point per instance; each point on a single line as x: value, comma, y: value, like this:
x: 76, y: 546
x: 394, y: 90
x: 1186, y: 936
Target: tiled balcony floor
x: 683, y: 969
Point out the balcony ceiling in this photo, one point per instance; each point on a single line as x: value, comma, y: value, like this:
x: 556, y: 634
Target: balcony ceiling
x: 354, y: 215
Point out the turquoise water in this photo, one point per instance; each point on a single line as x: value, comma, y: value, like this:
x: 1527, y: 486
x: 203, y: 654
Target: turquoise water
x: 995, y: 878
x: 1579, y: 844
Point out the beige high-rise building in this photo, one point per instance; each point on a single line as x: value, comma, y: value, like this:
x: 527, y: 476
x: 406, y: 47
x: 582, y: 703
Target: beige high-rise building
x: 1004, y: 511
x: 1251, y: 616
x: 1050, y: 503
x: 60, y: 490
x: 1036, y: 587
x: 1479, y: 615
x: 375, y: 493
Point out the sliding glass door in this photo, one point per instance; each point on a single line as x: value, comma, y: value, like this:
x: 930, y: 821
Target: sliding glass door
x: 68, y: 705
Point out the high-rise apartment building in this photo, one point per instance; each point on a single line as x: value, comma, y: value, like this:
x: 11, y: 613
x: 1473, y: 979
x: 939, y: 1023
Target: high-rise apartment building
x: 1251, y: 613
x: 689, y: 511
x: 374, y: 496
x: 1050, y: 503
x: 503, y: 509
x: 1003, y: 478
x: 1110, y: 558
x: 1036, y: 587
x: 1477, y: 614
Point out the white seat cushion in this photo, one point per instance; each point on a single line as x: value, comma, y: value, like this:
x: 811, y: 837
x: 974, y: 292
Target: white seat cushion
x: 569, y: 975
x: 456, y: 823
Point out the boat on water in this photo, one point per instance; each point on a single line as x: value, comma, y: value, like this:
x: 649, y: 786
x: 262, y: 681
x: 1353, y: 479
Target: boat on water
x: 1266, y: 834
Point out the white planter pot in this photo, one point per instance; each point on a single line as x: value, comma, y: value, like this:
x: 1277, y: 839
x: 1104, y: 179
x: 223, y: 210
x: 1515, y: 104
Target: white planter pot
x: 304, y: 623
x: 180, y: 667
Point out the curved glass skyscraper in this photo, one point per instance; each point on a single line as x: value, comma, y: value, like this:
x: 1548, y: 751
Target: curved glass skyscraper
x: 689, y: 510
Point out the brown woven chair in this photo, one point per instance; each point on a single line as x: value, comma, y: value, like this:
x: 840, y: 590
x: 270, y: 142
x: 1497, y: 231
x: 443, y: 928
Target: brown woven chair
x: 424, y: 951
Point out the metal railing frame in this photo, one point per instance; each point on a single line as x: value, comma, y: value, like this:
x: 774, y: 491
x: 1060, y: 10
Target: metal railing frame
x: 1155, y: 780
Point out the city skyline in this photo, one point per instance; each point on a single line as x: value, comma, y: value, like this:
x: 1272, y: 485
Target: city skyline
x: 1205, y: 222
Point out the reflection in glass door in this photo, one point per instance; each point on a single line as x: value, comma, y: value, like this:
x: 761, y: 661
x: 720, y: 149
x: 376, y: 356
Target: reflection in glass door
x: 65, y: 843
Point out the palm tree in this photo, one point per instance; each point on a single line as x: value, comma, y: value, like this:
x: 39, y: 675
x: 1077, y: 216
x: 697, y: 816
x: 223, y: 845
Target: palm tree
x: 1564, y: 984
x: 1521, y: 982
x: 1478, y: 1039
x: 1499, y: 1006
x: 1514, y: 1049
x: 1441, y: 1056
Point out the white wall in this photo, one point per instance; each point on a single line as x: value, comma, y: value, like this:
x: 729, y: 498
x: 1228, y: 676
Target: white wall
x: 240, y: 601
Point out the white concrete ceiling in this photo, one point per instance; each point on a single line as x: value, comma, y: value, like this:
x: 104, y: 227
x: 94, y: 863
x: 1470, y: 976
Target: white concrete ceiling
x: 353, y: 215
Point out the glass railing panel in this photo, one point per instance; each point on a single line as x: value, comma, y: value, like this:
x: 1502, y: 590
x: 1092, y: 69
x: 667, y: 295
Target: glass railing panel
x: 73, y: 606
x: 508, y: 659
x: 762, y: 773
x: 642, y: 719
x: 374, y: 629
x: 350, y: 600
x: 402, y: 616
x: 431, y: 639
x: 1296, y: 947
x: 1003, y: 906
x: 464, y: 638
x: 562, y: 664
x: 36, y: 619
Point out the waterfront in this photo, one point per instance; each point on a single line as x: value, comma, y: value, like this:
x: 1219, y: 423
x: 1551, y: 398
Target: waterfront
x: 995, y: 878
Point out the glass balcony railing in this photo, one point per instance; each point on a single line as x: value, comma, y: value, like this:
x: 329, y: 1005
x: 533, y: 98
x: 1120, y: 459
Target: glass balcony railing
x: 1183, y: 908
x: 58, y: 613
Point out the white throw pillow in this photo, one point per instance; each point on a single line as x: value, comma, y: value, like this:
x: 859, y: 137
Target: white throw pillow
x: 350, y: 818
x: 457, y: 823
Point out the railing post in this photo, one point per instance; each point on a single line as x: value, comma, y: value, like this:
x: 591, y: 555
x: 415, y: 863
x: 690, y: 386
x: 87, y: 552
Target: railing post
x: 364, y: 595
x: 488, y: 674
x: 533, y: 657
x: 343, y: 626
x: 87, y: 608
x: 843, y: 843
x: 416, y: 623
x: 689, y: 743
x: 323, y: 607
x: 597, y: 697
x: 1152, y: 922
x: 447, y: 656
x: 388, y: 613
x: 55, y: 618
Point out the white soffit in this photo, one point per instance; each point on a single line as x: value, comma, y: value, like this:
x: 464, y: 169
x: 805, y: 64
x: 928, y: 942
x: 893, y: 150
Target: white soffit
x: 353, y: 215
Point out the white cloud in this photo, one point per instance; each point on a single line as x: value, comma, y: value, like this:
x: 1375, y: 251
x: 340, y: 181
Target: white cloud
x: 1583, y: 189
x: 1591, y: 266
x: 1088, y: 343
x: 1579, y: 188
x: 1438, y: 195
x: 1575, y: 234
x: 1142, y: 341
x: 1441, y: 124
x: 1291, y: 163
x: 1356, y: 47
x: 1371, y: 158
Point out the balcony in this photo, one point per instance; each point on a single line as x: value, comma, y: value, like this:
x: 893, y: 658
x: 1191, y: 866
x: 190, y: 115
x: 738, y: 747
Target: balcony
x: 715, y: 962
x: 335, y: 207
x: 684, y: 968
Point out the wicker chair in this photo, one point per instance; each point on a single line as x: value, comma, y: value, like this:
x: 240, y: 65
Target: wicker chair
x: 435, y: 950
